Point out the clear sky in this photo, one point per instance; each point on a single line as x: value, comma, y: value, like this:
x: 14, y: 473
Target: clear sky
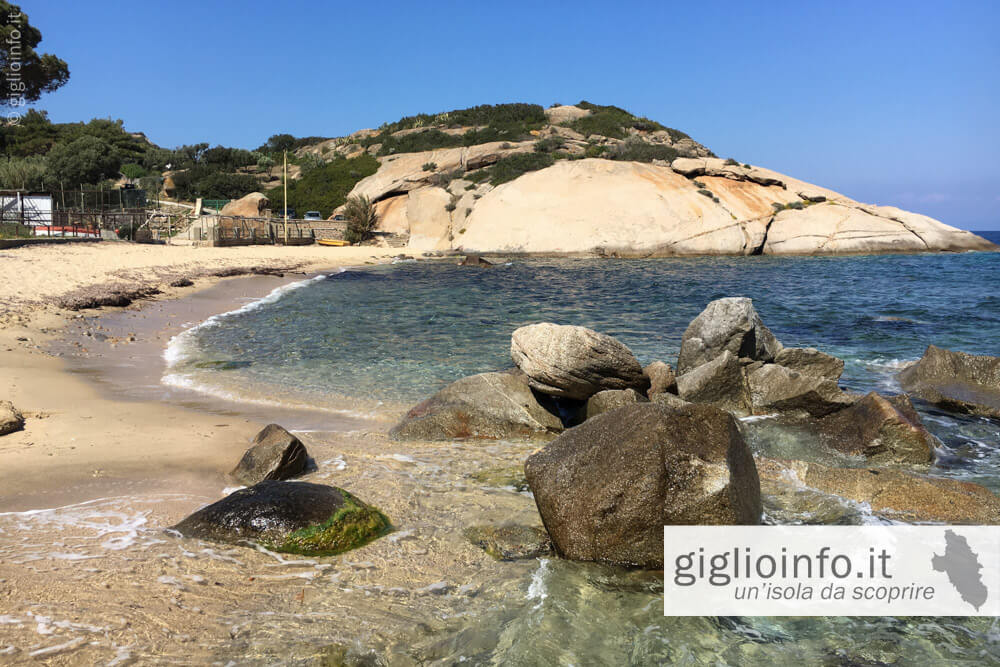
x: 886, y: 102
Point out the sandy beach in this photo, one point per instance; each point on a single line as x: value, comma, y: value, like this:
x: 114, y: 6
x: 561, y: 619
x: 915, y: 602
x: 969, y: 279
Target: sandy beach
x: 79, y: 441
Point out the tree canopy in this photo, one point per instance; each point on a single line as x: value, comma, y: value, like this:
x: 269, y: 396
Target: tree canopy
x: 27, y: 74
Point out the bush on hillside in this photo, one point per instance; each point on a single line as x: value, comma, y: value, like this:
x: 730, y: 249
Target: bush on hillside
x: 512, y: 166
x: 361, y: 218
x: 202, y: 181
x: 637, y: 150
x: 326, y: 187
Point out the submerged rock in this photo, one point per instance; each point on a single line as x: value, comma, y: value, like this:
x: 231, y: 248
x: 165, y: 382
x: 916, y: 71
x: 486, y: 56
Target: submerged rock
x: 502, y: 477
x: 488, y: 405
x: 719, y: 382
x: 889, y: 493
x: 955, y: 381
x: 731, y: 324
x: 11, y: 418
x: 811, y: 361
x: 574, y: 362
x: 662, y: 379
x: 606, y: 488
x: 510, y: 541
x: 610, y: 399
x: 274, y: 454
x: 774, y: 388
x: 880, y: 429
x: 291, y: 517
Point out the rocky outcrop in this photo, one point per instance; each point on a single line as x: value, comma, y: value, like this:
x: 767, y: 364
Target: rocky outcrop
x: 603, y: 207
x: 719, y: 382
x: 810, y: 361
x: 845, y: 227
x: 776, y: 389
x: 730, y: 324
x: 574, y: 362
x: 274, y: 454
x: 956, y: 381
x: 889, y: 493
x: 11, y: 418
x: 510, y: 541
x: 488, y: 405
x: 429, y: 220
x: 611, y: 399
x: 292, y: 517
x: 662, y: 379
x: 606, y: 488
x: 886, y: 430
x: 565, y: 113
x: 252, y: 205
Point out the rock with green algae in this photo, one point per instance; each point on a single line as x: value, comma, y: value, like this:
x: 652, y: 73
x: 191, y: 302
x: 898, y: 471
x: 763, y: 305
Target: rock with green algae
x: 291, y: 517
x: 502, y: 477
x: 510, y: 541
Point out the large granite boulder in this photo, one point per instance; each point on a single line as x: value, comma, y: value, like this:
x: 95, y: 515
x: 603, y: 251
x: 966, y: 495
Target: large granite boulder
x: 11, y: 418
x: 889, y: 493
x: 731, y: 324
x: 292, y: 517
x: 810, y: 361
x: 489, y: 405
x: 880, y: 429
x: 574, y: 362
x: 955, y: 381
x: 776, y: 389
x: 274, y: 454
x: 611, y: 399
x: 606, y: 488
x: 661, y: 378
x: 252, y: 205
x: 719, y: 382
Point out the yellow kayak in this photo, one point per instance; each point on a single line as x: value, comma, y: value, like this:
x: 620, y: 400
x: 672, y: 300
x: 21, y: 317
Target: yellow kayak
x: 332, y: 242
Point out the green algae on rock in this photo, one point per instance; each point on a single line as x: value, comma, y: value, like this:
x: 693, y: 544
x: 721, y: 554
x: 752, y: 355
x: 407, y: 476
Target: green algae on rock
x: 293, y: 517
x: 353, y: 525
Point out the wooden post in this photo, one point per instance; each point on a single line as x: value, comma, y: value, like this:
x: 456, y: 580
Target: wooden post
x: 285, y: 181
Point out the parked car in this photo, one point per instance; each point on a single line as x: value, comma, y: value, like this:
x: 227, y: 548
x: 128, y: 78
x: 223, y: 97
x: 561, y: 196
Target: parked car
x: 281, y: 213
x: 312, y: 215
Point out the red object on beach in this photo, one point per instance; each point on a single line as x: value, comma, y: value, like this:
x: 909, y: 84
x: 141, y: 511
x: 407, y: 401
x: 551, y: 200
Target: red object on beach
x: 65, y: 230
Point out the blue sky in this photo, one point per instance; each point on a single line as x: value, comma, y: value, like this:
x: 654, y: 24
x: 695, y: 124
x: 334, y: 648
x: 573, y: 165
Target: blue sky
x: 887, y: 102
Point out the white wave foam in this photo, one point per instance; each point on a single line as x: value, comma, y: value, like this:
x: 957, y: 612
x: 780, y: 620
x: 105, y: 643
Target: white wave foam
x: 537, y: 589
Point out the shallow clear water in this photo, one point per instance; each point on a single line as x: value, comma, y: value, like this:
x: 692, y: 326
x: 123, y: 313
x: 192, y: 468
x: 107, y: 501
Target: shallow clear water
x: 396, y: 334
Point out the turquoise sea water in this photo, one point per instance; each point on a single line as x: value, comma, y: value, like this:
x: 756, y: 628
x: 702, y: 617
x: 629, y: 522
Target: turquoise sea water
x: 392, y: 335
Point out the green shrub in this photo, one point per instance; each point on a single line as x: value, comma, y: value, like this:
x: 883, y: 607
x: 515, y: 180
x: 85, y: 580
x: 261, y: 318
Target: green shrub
x: 549, y: 144
x: 707, y: 193
x: 429, y: 166
x: 361, y: 218
x: 595, y: 150
x: 512, y: 166
x: 637, y: 150
x: 732, y: 163
x: 325, y: 188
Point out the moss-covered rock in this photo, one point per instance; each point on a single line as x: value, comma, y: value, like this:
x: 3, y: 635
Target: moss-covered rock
x: 353, y: 525
x: 294, y: 517
x: 510, y: 541
x: 502, y: 477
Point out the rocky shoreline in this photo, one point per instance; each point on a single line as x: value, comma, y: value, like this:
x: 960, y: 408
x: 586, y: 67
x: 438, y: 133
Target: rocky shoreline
x: 631, y: 449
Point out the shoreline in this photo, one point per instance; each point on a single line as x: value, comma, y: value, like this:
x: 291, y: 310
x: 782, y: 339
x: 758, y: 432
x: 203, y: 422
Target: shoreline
x: 83, y: 440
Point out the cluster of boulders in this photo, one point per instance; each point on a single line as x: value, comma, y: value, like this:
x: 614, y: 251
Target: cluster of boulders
x: 636, y: 448
x: 292, y: 517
